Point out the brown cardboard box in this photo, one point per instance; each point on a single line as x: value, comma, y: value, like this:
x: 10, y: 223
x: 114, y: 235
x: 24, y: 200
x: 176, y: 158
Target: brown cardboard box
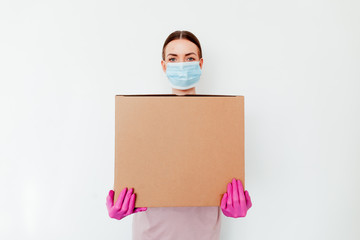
x: 178, y: 150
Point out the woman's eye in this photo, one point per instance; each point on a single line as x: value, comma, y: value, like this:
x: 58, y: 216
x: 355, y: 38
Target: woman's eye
x: 171, y: 59
x: 191, y: 59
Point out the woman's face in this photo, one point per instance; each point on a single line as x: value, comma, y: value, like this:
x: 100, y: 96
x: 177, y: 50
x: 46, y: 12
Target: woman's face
x: 181, y: 50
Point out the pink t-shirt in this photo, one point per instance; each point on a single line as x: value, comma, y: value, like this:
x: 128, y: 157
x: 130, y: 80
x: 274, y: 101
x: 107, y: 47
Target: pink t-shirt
x: 177, y: 223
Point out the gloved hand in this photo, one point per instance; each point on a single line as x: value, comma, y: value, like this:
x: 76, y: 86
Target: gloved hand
x: 124, y: 205
x: 235, y: 202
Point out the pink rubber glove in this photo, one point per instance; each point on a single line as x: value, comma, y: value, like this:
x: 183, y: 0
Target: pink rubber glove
x: 124, y: 205
x: 235, y: 203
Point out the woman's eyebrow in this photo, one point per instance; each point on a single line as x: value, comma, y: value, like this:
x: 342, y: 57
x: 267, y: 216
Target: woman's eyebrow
x: 173, y: 54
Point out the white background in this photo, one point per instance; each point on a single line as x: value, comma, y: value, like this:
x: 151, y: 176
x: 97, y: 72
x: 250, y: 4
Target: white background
x: 296, y: 62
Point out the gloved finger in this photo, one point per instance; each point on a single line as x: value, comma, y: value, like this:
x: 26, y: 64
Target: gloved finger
x: 140, y: 209
x: 235, y: 193
x: 110, y: 200
x: 125, y: 205
x: 223, y: 201
x: 248, y: 200
x: 230, y: 197
x: 131, y: 204
x: 120, y: 199
x: 241, y: 194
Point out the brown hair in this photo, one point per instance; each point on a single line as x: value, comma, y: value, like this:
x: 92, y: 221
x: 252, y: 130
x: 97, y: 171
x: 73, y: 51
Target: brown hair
x: 182, y: 35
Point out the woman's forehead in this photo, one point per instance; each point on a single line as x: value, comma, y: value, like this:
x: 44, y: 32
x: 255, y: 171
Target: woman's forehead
x: 181, y: 46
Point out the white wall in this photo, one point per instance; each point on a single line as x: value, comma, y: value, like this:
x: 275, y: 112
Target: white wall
x: 296, y: 62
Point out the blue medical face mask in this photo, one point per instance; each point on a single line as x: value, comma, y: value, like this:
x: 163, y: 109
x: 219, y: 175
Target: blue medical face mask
x: 183, y: 75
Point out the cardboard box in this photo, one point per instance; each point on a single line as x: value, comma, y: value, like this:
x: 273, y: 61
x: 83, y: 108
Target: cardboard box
x: 178, y: 150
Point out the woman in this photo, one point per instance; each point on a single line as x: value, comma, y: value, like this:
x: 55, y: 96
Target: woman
x: 182, y: 62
